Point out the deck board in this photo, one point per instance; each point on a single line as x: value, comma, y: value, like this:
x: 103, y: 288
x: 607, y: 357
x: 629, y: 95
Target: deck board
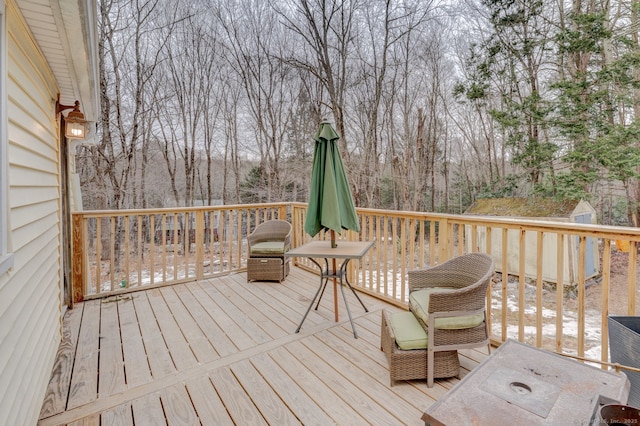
x: 317, y: 390
x: 155, y: 346
x: 58, y: 390
x: 235, y: 399
x: 208, y: 404
x: 178, y: 407
x: 118, y: 416
x: 181, y: 353
x: 230, y: 318
x: 137, y: 370
x: 305, y: 408
x: 226, y: 337
x: 352, y: 370
x: 255, y: 322
x: 111, y: 364
x: 195, y: 337
x: 272, y: 408
x: 147, y: 411
x: 224, y: 351
x: 84, y: 379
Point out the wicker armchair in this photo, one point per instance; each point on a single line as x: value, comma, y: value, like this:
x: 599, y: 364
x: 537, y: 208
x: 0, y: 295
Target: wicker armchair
x: 449, y: 301
x: 267, y: 245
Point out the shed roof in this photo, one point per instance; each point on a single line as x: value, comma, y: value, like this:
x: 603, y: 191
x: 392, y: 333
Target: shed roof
x: 523, y: 207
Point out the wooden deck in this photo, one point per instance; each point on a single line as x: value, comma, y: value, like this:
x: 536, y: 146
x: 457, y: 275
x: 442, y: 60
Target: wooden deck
x: 224, y: 351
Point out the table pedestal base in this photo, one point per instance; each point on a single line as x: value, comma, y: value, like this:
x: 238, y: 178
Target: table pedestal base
x: 341, y: 275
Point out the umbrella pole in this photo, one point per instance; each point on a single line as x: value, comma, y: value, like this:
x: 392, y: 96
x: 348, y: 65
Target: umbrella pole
x: 335, y: 290
x: 335, y: 281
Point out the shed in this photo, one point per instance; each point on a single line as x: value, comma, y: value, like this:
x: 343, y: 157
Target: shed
x: 542, y: 209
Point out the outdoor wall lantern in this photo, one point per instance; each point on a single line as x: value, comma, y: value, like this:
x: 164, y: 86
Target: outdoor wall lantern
x: 75, y: 126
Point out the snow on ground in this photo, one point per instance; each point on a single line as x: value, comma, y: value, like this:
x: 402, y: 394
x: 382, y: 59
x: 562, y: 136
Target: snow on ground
x: 592, y: 322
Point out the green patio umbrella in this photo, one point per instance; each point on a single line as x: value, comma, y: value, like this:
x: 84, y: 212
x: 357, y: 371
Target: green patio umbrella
x: 330, y: 201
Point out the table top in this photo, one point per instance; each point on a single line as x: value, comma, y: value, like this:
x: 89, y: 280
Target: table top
x: 322, y: 249
x: 521, y: 384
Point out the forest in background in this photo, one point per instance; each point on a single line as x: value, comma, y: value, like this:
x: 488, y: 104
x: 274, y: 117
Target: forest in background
x: 437, y: 102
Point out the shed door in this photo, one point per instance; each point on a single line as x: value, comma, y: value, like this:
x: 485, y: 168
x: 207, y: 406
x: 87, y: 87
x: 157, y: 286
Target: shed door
x: 589, y: 262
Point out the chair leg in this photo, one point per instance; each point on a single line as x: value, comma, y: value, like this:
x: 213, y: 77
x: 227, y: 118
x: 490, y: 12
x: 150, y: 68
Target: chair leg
x: 430, y: 359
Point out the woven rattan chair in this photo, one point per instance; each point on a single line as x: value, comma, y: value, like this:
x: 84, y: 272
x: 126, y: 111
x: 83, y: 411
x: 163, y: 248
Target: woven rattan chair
x: 267, y: 245
x: 449, y: 301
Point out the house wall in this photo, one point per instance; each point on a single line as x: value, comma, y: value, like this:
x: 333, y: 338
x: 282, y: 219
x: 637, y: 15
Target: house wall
x: 30, y: 293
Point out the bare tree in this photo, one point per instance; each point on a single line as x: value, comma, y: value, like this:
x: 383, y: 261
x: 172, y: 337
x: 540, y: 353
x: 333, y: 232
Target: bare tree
x: 326, y: 31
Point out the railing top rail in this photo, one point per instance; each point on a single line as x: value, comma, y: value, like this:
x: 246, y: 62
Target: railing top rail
x: 126, y: 212
x: 540, y: 224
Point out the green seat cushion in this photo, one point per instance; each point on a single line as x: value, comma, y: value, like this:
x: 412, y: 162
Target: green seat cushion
x: 408, y: 331
x: 419, y: 301
x: 268, y: 247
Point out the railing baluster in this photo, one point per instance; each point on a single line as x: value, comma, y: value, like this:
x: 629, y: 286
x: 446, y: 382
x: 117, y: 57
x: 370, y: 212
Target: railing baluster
x: 394, y: 257
x: 631, y: 278
x: 186, y: 243
x: 560, y: 292
x: 152, y: 249
x: 175, y: 246
x: 539, y: 289
x: 98, y: 254
x: 127, y: 251
x: 505, y: 282
x: 240, y: 237
x: 432, y: 242
x: 140, y: 249
x: 163, y: 242
x: 385, y: 255
x: 403, y: 258
x: 521, y: 284
x: 581, y: 293
x: 200, y: 233
x: 604, y: 309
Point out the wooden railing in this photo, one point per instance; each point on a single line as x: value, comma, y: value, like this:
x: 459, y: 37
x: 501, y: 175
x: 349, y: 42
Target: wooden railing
x: 562, y: 280
x: 120, y: 251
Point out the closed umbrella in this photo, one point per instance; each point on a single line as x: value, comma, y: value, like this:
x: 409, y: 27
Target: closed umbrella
x: 330, y: 202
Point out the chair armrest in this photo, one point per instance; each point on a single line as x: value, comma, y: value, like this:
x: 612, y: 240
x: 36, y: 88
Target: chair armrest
x: 457, y: 272
x: 438, y: 276
x: 467, y: 299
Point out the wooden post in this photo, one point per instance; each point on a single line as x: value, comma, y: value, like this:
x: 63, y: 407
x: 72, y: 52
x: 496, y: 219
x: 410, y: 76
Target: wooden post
x: 200, y: 231
x: 77, y: 259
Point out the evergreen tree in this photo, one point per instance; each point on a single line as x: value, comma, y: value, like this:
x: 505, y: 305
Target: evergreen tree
x: 593, y: 93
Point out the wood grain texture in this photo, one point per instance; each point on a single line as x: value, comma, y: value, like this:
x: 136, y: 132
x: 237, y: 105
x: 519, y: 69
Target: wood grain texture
x: 111, y: 366
x: 84, y: 380
x: 271, y: 406
x: 58, y: 389
x: 230, y: 369
x: 235, y: 399
x: 194, y: 336
x: 301, y: 405
x: 147, y: 411
x: 178, y: 407
x: 155, y: 346
x: 209, y: 407
x: 118, y: 416
x: 137, y: 368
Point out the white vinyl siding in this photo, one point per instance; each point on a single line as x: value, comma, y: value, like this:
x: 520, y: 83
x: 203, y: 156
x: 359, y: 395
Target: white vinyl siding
x: 6, y: 257
x: 30, y: 293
